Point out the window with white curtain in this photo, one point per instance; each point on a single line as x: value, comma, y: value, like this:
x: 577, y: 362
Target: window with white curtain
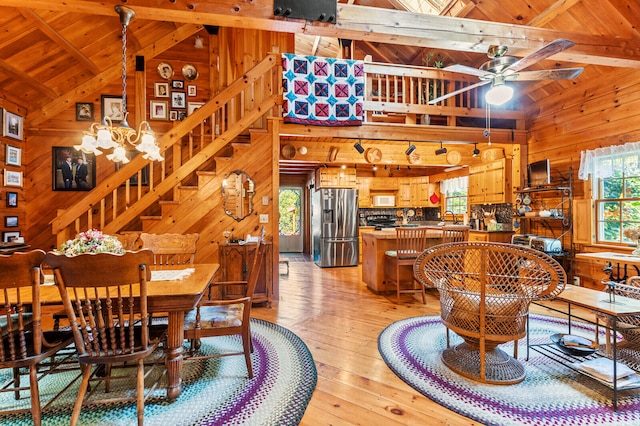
x: 455, y: 190
x: 615, y: 175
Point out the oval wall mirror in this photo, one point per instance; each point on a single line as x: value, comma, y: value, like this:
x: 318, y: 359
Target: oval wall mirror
x: 237, y: 192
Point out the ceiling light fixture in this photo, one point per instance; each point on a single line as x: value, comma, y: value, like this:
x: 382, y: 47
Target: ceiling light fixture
x: 358, y: 146
x: 198, y: 43
x: 441, y: 151
x: 476, y: 151
x: 411, y: 148
x: 499, y: 92
x: 104, y: 135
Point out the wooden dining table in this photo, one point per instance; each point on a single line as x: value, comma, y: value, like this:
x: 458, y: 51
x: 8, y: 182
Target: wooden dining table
x: 176, y: 297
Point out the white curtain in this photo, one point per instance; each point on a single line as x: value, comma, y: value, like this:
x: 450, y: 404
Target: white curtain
x: 449, y: 186
x: 599, y: 162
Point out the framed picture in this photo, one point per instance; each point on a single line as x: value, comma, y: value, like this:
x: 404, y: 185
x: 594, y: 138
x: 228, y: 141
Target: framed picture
x: 173, y: 115
x: 9, y: 236
x: 13, y: 156
x: 12, y: 178
x: 178, y: 100
x: 159, y: 110
x: 12, y: 127
x: 192, y: 90
x: 161, y: 90
x: 11, y: 221
x: 189, y: 72
x: 165, y: 70
x: 177, y: 84
x: 84, y: 111
x: 144, y: 173
x: 182, y: 115
x: 193, y: 106
x: 12, y: 199
x: 73, y: 170
x: 112, y: 107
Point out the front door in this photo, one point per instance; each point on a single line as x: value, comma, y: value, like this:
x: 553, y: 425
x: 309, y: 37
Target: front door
x: 291, y: 215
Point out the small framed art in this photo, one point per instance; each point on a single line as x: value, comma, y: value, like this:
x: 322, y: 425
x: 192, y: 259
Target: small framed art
x: 12, y: 127
x: 192, y: 90
x: 165, y: 70
x: 11, y: 221
x: 193, y: 106
x: 12, y: 199
x: 173, y: 115
x: 178, y: 100
x: 177, y: 84
x: 73, y: 170
x: 112, y: 107
x: 159, y: 110
x: 189, y: 72
x: 9, y: 236
x: 161, y: 90
x: 84, y: 111
x: 13, y: 156
x: 12, y: 178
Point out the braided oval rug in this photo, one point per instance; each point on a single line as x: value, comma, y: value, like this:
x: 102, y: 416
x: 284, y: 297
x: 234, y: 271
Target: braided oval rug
x: 215, y: 391
x: 551, y: 394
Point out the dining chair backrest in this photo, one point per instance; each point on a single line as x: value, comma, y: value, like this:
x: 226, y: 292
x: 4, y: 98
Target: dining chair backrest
x: 256, y: 266
x: 17, y: 316
x: 104, y: 295
x: 171, y: 249
x: 455, y: 234
x: 130, y: 240
x: 410, y: 241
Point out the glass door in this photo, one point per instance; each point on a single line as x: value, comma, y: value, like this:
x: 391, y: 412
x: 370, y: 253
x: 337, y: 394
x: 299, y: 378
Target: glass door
x: 291, y: 214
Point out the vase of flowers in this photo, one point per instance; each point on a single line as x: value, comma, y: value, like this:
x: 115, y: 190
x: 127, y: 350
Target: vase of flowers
x: 91, y: 241
x: 633, y: 233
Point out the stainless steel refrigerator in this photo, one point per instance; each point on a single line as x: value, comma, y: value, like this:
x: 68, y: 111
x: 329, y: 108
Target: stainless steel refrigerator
x: 334, y: 220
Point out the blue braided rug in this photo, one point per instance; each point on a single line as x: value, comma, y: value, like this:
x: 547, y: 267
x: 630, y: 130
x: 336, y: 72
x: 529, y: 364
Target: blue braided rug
x: 551, y: 394
x: 215, y: 391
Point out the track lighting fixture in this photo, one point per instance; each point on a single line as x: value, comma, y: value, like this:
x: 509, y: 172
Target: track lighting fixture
x: 411, y: 148
x: 441, y: 151
x: 325, y: 166
x: 408, y: 167
x: 344, y: 166
x: 476, y: 151
x: 358, y: 146
x: 375, y: 167
x: 385, y: 167
x: 398, y: 168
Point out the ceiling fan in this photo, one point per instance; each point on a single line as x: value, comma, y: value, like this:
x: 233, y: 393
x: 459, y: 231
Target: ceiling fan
x: 502, y: 68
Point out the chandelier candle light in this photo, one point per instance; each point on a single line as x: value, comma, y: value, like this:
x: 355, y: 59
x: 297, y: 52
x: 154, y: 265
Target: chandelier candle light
x: 104, y: 136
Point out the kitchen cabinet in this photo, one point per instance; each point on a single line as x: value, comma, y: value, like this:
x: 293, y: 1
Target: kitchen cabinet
x: 234, y: 262
x: 403, y: 199
x: 494, y: 237
x: 384, y: 184
x: 335, y: 178
x: 421, y: 191
x: 364, y: 194
x: 490, y: 183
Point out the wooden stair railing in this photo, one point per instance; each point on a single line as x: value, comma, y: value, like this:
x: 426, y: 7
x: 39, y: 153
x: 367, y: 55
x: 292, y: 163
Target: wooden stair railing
x: 114, y: 209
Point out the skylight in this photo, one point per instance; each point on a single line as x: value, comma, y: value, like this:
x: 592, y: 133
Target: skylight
x: 432, y: 7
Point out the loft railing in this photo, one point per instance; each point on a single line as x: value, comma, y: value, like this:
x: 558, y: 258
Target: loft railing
x: 120, y: 200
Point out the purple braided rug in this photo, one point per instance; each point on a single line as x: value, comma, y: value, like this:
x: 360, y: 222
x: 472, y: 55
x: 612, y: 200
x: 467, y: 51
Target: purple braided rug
x: 551, y: 393
x: 215, y: 391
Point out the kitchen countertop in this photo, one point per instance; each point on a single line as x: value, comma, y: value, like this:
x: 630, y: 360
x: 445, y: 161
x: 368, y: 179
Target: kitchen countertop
x: 390, y: 234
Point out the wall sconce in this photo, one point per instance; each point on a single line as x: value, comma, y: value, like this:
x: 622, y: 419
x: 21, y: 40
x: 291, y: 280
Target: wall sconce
x: 358, y: 146
x: 476, y: 151
x: 198, y: 43
x: 441, y: 151
x: 411, y: 148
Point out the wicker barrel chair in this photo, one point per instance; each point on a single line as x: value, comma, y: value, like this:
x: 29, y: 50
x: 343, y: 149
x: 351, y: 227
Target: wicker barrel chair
x: 485, y: 291
x: 628, y: 325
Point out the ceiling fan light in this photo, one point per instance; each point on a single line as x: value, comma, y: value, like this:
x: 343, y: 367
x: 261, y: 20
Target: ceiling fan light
x: 499, y: 94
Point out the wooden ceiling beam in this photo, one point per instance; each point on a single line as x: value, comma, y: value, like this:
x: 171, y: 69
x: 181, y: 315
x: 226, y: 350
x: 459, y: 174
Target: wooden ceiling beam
x: 550, y: 13
x: 373, y: 24
x: 19, y: 75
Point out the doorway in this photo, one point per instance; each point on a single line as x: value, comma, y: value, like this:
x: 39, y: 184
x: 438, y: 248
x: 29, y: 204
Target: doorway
x: 291, y: 208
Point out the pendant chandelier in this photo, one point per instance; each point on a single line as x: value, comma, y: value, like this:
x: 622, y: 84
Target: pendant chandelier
x: 106, y: 136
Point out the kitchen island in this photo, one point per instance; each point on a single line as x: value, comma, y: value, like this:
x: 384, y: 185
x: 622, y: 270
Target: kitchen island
x: 374, y: 245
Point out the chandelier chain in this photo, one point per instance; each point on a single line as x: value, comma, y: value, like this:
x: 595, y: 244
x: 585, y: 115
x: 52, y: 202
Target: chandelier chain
x: 124, y: 70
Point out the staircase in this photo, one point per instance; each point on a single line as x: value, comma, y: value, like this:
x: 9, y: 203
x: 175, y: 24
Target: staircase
x: 184, y: 188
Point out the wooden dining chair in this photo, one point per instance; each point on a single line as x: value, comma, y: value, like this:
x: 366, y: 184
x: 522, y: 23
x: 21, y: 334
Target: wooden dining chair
x: 105, y: 296
x: 455, y: 234
x: 130, y: 240
x: 24, y: 344
x: 225, y: 317
x: 398, y: 263
x: 171, y: 249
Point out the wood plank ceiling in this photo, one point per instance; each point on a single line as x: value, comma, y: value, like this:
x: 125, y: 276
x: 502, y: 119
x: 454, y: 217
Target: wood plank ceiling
x: 54, y: 52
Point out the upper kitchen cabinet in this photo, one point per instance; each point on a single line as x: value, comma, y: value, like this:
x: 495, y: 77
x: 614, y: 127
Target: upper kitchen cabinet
x: 422, y: 191
x: 490, y: 183
x: 403, y: 199
x: 384, y: 184
x: 364, y: 195
x: 335, y: 178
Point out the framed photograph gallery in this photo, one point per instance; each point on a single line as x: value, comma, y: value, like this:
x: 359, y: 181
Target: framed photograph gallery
x: 112, y: 107
x: 13, y: 156
x: 12, y: 125
x: 12, y: 199
x: 12, y: 178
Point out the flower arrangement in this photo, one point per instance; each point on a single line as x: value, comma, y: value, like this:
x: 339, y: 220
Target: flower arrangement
x: 91, y: 241
x: 632, y: 232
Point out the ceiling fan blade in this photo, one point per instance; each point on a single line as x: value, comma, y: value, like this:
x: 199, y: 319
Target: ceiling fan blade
x: 464, y: 89
x: 463, y: 69
x: 556, y: 74
x: 544, y: 52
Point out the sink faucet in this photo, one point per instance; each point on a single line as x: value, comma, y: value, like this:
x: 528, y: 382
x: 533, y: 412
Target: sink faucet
x: 453, y: 215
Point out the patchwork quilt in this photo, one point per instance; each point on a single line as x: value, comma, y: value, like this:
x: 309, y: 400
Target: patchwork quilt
x: 322, y: 91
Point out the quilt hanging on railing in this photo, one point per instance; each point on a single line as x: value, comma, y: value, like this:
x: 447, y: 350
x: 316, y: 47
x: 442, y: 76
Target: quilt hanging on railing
x: 322, y: 91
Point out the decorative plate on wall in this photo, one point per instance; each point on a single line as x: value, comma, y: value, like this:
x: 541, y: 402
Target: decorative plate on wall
x: 373, y: 155
x: 454, y: 157
x: 189, y: 72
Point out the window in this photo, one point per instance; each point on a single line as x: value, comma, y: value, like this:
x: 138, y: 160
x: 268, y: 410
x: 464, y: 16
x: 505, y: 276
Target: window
x: 455, y: 191
x: 617, y: 196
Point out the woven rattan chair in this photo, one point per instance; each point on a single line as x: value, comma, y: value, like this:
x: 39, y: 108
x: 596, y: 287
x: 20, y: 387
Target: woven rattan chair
x: 398, y: 263
x: 485, y: 291
x: 171, y: 249
x: 24, y: 344
x: 226, y: 317
x: 105, y: 296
